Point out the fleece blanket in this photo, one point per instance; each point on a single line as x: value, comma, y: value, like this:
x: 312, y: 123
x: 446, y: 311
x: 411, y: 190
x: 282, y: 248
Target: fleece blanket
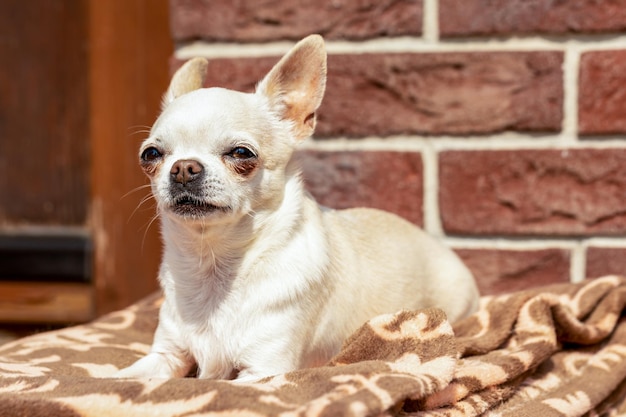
x: 554, y: 351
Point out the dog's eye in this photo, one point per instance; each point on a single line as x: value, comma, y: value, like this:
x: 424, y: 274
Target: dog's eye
x: 241, y: 152
x: 151, y: 154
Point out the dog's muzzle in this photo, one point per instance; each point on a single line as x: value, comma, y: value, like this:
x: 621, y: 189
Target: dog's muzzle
x: 186, y: 189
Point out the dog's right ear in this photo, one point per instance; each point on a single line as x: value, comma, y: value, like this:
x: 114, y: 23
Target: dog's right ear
x: 187, y: 78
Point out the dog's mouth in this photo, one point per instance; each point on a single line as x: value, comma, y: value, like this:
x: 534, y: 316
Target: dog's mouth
x: 194, y: 207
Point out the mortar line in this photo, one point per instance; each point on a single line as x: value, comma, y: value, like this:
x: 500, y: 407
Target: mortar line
x: 506, y: 141
x: 432, y: 218
x: 430, y: 21
x: 578, y: 263
x: 577, y: 246
x: 429, y: 42
x: 616, y: 242
x: 511, y: 242
x: 571, y: 63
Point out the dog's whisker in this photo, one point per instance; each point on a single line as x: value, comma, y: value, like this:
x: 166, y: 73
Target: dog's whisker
x: 201, y: 257
x: 139, y: 126
x: 213, y: 259
x: 145, y: 233
x: 145, y: 199
x: 134, y: 190
x: 139, y: 129
x: 251, y: 213
x: 141, y: 203
x: 201, y: 247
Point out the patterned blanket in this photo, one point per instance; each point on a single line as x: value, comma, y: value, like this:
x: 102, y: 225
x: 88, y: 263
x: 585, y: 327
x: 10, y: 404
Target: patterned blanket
x: 553, y: 351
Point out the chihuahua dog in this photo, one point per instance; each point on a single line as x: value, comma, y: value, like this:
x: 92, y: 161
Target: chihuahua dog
x: 258, y: 279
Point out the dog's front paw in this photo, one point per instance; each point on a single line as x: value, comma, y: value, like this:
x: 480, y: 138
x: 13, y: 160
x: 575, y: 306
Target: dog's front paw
x: 248, y: 378
x: 153, y: 365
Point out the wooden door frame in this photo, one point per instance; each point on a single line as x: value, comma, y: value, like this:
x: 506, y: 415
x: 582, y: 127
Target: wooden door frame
x: 130, y: 46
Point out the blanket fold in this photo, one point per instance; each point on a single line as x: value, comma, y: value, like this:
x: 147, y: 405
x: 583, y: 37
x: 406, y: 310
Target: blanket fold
x: 552, y: 351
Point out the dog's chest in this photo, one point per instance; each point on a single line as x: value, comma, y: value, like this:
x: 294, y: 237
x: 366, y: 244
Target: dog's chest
x: 228, y: 316
x: 217, y: 345
x: 222, y: 326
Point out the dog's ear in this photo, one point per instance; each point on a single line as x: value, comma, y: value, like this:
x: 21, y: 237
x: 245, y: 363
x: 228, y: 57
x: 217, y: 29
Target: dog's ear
x: 187, y: 78
x: 295, y: 86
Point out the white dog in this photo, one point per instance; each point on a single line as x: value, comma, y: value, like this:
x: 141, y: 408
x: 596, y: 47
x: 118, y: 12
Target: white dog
x: 258, y: 279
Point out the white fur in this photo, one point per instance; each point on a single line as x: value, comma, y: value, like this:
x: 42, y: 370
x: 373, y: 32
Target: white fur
x: 275, y: 282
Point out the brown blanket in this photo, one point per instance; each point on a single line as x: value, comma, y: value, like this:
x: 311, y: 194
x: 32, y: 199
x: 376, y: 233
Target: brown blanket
x: 555, y: 351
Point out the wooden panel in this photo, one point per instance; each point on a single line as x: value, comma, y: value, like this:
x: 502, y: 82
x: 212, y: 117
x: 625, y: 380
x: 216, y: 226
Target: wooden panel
x: 44, y: 143
x: 45, y: 303
x: 130, y: 48
x: 45, y: 257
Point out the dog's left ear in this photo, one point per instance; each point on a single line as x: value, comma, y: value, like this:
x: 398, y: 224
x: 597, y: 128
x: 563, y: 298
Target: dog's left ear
x: 295, y: 86
x: 187, y: 78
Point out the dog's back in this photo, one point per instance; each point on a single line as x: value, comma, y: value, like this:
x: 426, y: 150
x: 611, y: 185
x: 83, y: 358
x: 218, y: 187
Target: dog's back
x: 381, y: 263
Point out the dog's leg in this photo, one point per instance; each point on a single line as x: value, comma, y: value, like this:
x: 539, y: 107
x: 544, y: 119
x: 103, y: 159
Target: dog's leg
x: 165, y: 360
x: 263, y: 370
x: 244, y: 377
x: 167, y: 357
x: 157, y: 365
x: 273, y: 357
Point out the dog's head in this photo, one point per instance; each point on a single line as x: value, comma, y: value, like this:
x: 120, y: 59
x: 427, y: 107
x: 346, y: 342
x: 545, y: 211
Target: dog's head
x: 214, y: 155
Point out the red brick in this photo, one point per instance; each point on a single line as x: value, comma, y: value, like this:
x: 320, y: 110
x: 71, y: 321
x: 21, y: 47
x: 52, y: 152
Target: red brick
x: 438, y: 93
x: 503, y: 271
x: 241, y: 21
x: 506, y: 17
x: 602, y: 92
x: 605, y: 261
x: 390, y: 181
x: 533, y: 192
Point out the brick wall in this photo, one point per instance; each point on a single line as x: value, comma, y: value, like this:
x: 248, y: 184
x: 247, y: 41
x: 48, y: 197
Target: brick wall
x: 498, y: 125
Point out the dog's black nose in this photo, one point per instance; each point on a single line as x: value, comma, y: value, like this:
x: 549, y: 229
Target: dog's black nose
x: 186, y: 170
